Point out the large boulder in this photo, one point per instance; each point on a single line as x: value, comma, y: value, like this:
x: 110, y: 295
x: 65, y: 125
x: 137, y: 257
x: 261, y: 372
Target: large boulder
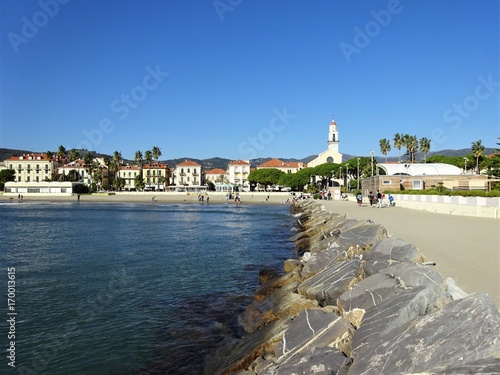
x: 387, y: 283
x: 281, y: 304
x: 462, y: 332
x: 363, y: 234
x: 388, y: 252
x: 326, y: 286
x: 314, y: 343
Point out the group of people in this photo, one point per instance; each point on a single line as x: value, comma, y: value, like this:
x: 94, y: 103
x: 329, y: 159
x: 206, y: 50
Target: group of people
x: 201, y: 198
x: 326, y: 195
x: 378, y: 200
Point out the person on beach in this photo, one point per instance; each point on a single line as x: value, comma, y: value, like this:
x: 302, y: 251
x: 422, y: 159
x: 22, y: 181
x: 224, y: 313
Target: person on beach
x: 227, y: 198
x: 379, y: 199
x: 391, y: 201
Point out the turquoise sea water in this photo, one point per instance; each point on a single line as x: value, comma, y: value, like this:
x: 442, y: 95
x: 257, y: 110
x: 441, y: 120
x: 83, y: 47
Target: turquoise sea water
x: 131, y: 288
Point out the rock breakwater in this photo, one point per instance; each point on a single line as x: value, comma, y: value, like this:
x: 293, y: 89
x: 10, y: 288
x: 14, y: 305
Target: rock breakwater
x: 359, y: 301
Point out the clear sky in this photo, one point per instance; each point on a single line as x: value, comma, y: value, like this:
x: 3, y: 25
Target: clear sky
x: 241, y: 79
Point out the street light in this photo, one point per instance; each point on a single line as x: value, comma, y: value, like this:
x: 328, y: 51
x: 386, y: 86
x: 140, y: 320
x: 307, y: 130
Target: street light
x: 372, y: 160
x: 357, y: 181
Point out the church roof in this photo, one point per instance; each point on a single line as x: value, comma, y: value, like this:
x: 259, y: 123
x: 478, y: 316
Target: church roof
x: 420, y: 169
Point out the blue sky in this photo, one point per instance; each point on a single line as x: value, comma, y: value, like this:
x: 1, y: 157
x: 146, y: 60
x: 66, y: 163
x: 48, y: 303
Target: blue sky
x: 241, y: 79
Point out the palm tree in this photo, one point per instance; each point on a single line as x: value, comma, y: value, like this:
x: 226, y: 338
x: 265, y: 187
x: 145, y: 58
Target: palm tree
x: 148, y: 156
x: 412, y: 147
x: 116, y: 163
x: 74, y: 154
x: 156, y: 154
x: 49, y: 155
x: 477, y: 151
x: 61, y: 152
x: 88, y: 165
x: 398, y: 143
x: 385, y: 147
x: 425, y: 146
x: 138, y: 158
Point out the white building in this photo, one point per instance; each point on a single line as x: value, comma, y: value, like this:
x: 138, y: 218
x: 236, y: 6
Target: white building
x: 238, y: 171
x: 331, y: 155
x: 187, y: 173
x: 129, y: 173
x: 34, y: 167
x: 216, y: 175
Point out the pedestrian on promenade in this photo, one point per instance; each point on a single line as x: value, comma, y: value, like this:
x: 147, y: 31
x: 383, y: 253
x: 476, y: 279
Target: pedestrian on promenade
x: 379, y: 199
x: 359, y: 198
x: 371, y: 198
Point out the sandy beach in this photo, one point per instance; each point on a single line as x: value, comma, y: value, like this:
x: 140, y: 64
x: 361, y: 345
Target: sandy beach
x: 463, y: 247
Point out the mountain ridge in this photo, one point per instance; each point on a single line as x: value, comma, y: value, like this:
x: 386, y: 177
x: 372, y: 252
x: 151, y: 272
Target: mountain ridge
x: 218, y: 162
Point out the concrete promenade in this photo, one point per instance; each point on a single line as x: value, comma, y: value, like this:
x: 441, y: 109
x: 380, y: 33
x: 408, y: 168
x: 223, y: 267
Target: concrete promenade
x: 464, y: 248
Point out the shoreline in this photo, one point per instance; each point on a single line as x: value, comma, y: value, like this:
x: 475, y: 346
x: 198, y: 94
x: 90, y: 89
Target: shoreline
x: 215, y: 197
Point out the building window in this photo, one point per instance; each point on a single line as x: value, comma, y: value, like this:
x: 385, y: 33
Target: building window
x: 417, y: 185
x: 386, y: 182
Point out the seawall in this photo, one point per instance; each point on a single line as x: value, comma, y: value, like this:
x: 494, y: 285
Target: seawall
x: 359, y: 301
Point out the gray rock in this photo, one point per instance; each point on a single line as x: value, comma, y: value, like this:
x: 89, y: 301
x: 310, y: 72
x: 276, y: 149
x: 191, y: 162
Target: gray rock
x: 387, y: 283
x: 363, y: 234
x: 462, y: 332
x: 388, y: 252
x: 486, y: 366
x: 281, y: 304
x: 394, y: 312
x: 326, y: 286
x: 318, y: 261
x: 319, y: 361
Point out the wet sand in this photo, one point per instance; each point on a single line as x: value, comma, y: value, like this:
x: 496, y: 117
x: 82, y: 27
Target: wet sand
x: 464, y: 248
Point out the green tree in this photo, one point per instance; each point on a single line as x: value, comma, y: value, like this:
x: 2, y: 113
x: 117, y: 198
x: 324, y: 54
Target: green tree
x: 477, y: 151
x: 266, y: 176
x: 139, y: 182
x: 88, y: 165
x: 385, y: 147
x: 138, y: 158
x: 49, y: 155
x: 411, y: 147
x: 425, y: 146
x: 73, y: 176
x: 118, y: 183
x: 61, y: 152
x: 6, y: 175
x: 398, y: 143
x: 74, y: 154
x: 115, y: 164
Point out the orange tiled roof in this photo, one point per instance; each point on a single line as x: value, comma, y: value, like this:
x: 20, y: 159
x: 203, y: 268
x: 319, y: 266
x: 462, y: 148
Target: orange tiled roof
x: 129, y: 167
x: 36, y: 157
x: 276, y: 163
x: 239, y: 162
x: 188, y: 163
x: 216, y: 171
x: 155, y: 166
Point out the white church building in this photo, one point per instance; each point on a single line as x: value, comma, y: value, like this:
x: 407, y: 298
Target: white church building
x: 331, y: 155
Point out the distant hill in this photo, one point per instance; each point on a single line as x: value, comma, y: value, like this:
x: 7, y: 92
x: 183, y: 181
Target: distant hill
x: 222, y: 163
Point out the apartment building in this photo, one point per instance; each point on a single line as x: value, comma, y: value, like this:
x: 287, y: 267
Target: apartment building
x: 238, y: 171
x: 287, y: 167
x: 156, y: 176
x: 34, y: 167
x: 129, y: 173
x: 187, y: 173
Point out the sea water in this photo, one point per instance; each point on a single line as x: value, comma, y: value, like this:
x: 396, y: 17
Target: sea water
x: 130, y: 288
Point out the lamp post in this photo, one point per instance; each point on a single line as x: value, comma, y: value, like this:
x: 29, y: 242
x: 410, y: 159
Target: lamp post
x: 372, y: 160
x: 357, y: 181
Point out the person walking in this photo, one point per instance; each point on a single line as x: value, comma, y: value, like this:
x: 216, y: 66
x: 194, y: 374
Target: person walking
x: 359, y: 198
x: 379, y: 199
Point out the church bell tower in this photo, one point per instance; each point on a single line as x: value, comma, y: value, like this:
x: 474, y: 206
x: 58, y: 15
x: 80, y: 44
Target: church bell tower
x: 333, y: 137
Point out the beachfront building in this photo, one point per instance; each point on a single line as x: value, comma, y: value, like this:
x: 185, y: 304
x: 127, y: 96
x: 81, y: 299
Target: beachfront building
x: 129, y: 174
x: 238, y: 171
x: 287, y: 167
x: 187, y: 173
x: 34, y: 167
x: 331, y: 154
x: 44, y: 188
x: 78, y: 171
x: 156, y: 176
x: 216, y: 175
x: 421, y: 176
